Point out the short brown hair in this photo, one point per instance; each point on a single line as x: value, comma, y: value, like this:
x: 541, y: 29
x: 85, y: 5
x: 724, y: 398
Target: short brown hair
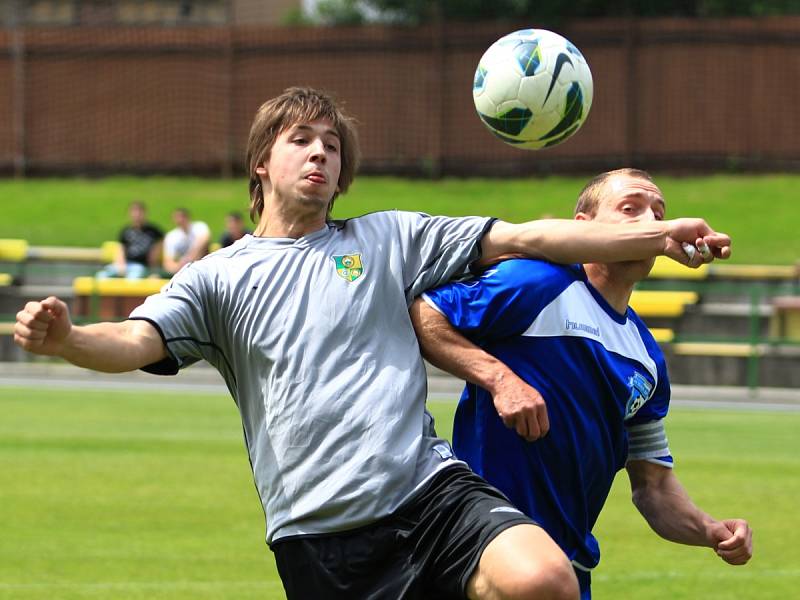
x: 592, y: 192
x: 298, y: 105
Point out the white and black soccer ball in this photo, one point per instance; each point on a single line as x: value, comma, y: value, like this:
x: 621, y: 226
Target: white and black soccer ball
x: 533, y: 88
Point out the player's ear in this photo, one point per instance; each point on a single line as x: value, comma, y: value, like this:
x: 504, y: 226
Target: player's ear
x: 582, y: 216
x: 261, y: 171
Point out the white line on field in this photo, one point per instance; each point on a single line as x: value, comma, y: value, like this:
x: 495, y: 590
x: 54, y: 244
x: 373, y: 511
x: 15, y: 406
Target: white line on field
x: 156, y: 386
x: 122, y: 384
x: 111, y: 585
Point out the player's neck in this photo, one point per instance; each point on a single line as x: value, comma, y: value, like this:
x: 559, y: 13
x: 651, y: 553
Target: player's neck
x: 614, y: 288
x: 289, y: 220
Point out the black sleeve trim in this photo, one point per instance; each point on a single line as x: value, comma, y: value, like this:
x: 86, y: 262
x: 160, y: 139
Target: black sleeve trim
x: 166, y: 366
x: 473, y: 266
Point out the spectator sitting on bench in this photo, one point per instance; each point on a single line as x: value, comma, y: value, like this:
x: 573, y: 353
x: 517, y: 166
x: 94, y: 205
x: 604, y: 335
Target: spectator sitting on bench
x: 140, y: 246
x: 187, y: 242
x: 234, y: 229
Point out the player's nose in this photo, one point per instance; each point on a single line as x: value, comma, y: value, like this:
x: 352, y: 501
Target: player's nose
x: 318, y: 151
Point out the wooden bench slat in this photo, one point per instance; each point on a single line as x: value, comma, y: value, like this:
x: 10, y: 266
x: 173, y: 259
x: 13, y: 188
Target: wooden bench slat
x: 65, y: 253
x: 13, y: 250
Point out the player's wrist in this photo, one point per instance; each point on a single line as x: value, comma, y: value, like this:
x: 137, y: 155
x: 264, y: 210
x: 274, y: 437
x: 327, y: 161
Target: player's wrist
x: 713, y: 531
x: 668, y: 230
x: 68, y: 345
x: 499, y: 379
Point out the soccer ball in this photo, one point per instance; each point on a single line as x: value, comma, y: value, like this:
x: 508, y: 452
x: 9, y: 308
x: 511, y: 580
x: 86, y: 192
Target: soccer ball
x: 532, y: 89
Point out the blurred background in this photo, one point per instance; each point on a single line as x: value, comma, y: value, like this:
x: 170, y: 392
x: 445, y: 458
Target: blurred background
x: 137, y: 487
x: 170, y: 86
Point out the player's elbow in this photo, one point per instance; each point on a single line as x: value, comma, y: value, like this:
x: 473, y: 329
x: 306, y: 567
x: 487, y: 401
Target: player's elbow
x: 641, y: 494
x: 502, y: 239
x: 650, y: 507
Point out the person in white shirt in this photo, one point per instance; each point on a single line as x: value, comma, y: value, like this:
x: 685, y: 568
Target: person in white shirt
x: 186, y: 243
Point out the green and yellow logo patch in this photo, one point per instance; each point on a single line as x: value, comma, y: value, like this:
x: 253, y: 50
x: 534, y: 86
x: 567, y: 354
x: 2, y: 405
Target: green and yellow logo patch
x: 349, y: 266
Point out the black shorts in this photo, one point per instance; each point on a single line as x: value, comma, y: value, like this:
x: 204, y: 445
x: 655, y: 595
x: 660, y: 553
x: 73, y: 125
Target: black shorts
x: 427, y: 549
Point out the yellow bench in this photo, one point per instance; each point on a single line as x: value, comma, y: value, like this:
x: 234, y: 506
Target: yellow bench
x: 6, y: 279
x: 86, y: 286
x: 65, y: 253
x: 111, y: 298
x: 666, y: 268
x: 13, y: 250
x: 105, y: 253
x: 657, y: 303
x: 663, y: 335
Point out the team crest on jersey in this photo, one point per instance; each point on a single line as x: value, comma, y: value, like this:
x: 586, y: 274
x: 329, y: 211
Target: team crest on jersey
x: 349, y: 266
x: 640, y: 393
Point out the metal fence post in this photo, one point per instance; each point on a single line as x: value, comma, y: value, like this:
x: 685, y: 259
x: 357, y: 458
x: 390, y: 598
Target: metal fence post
x: 755, y: 339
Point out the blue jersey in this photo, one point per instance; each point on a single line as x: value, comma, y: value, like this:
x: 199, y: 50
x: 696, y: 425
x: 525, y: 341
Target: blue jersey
x: 603, y: 378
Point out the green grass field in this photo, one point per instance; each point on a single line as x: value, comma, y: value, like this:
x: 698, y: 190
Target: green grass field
x: 126, y: 495
x: 756, y: 211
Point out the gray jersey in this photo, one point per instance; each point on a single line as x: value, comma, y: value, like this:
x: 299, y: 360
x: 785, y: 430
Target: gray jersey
x: 314, y: 340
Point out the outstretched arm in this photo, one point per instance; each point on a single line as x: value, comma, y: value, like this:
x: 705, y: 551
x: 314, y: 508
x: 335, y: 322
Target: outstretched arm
x: 519, y: 405
x: 570, y: 241
x: 670, y: 512
x: 46, y: 328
